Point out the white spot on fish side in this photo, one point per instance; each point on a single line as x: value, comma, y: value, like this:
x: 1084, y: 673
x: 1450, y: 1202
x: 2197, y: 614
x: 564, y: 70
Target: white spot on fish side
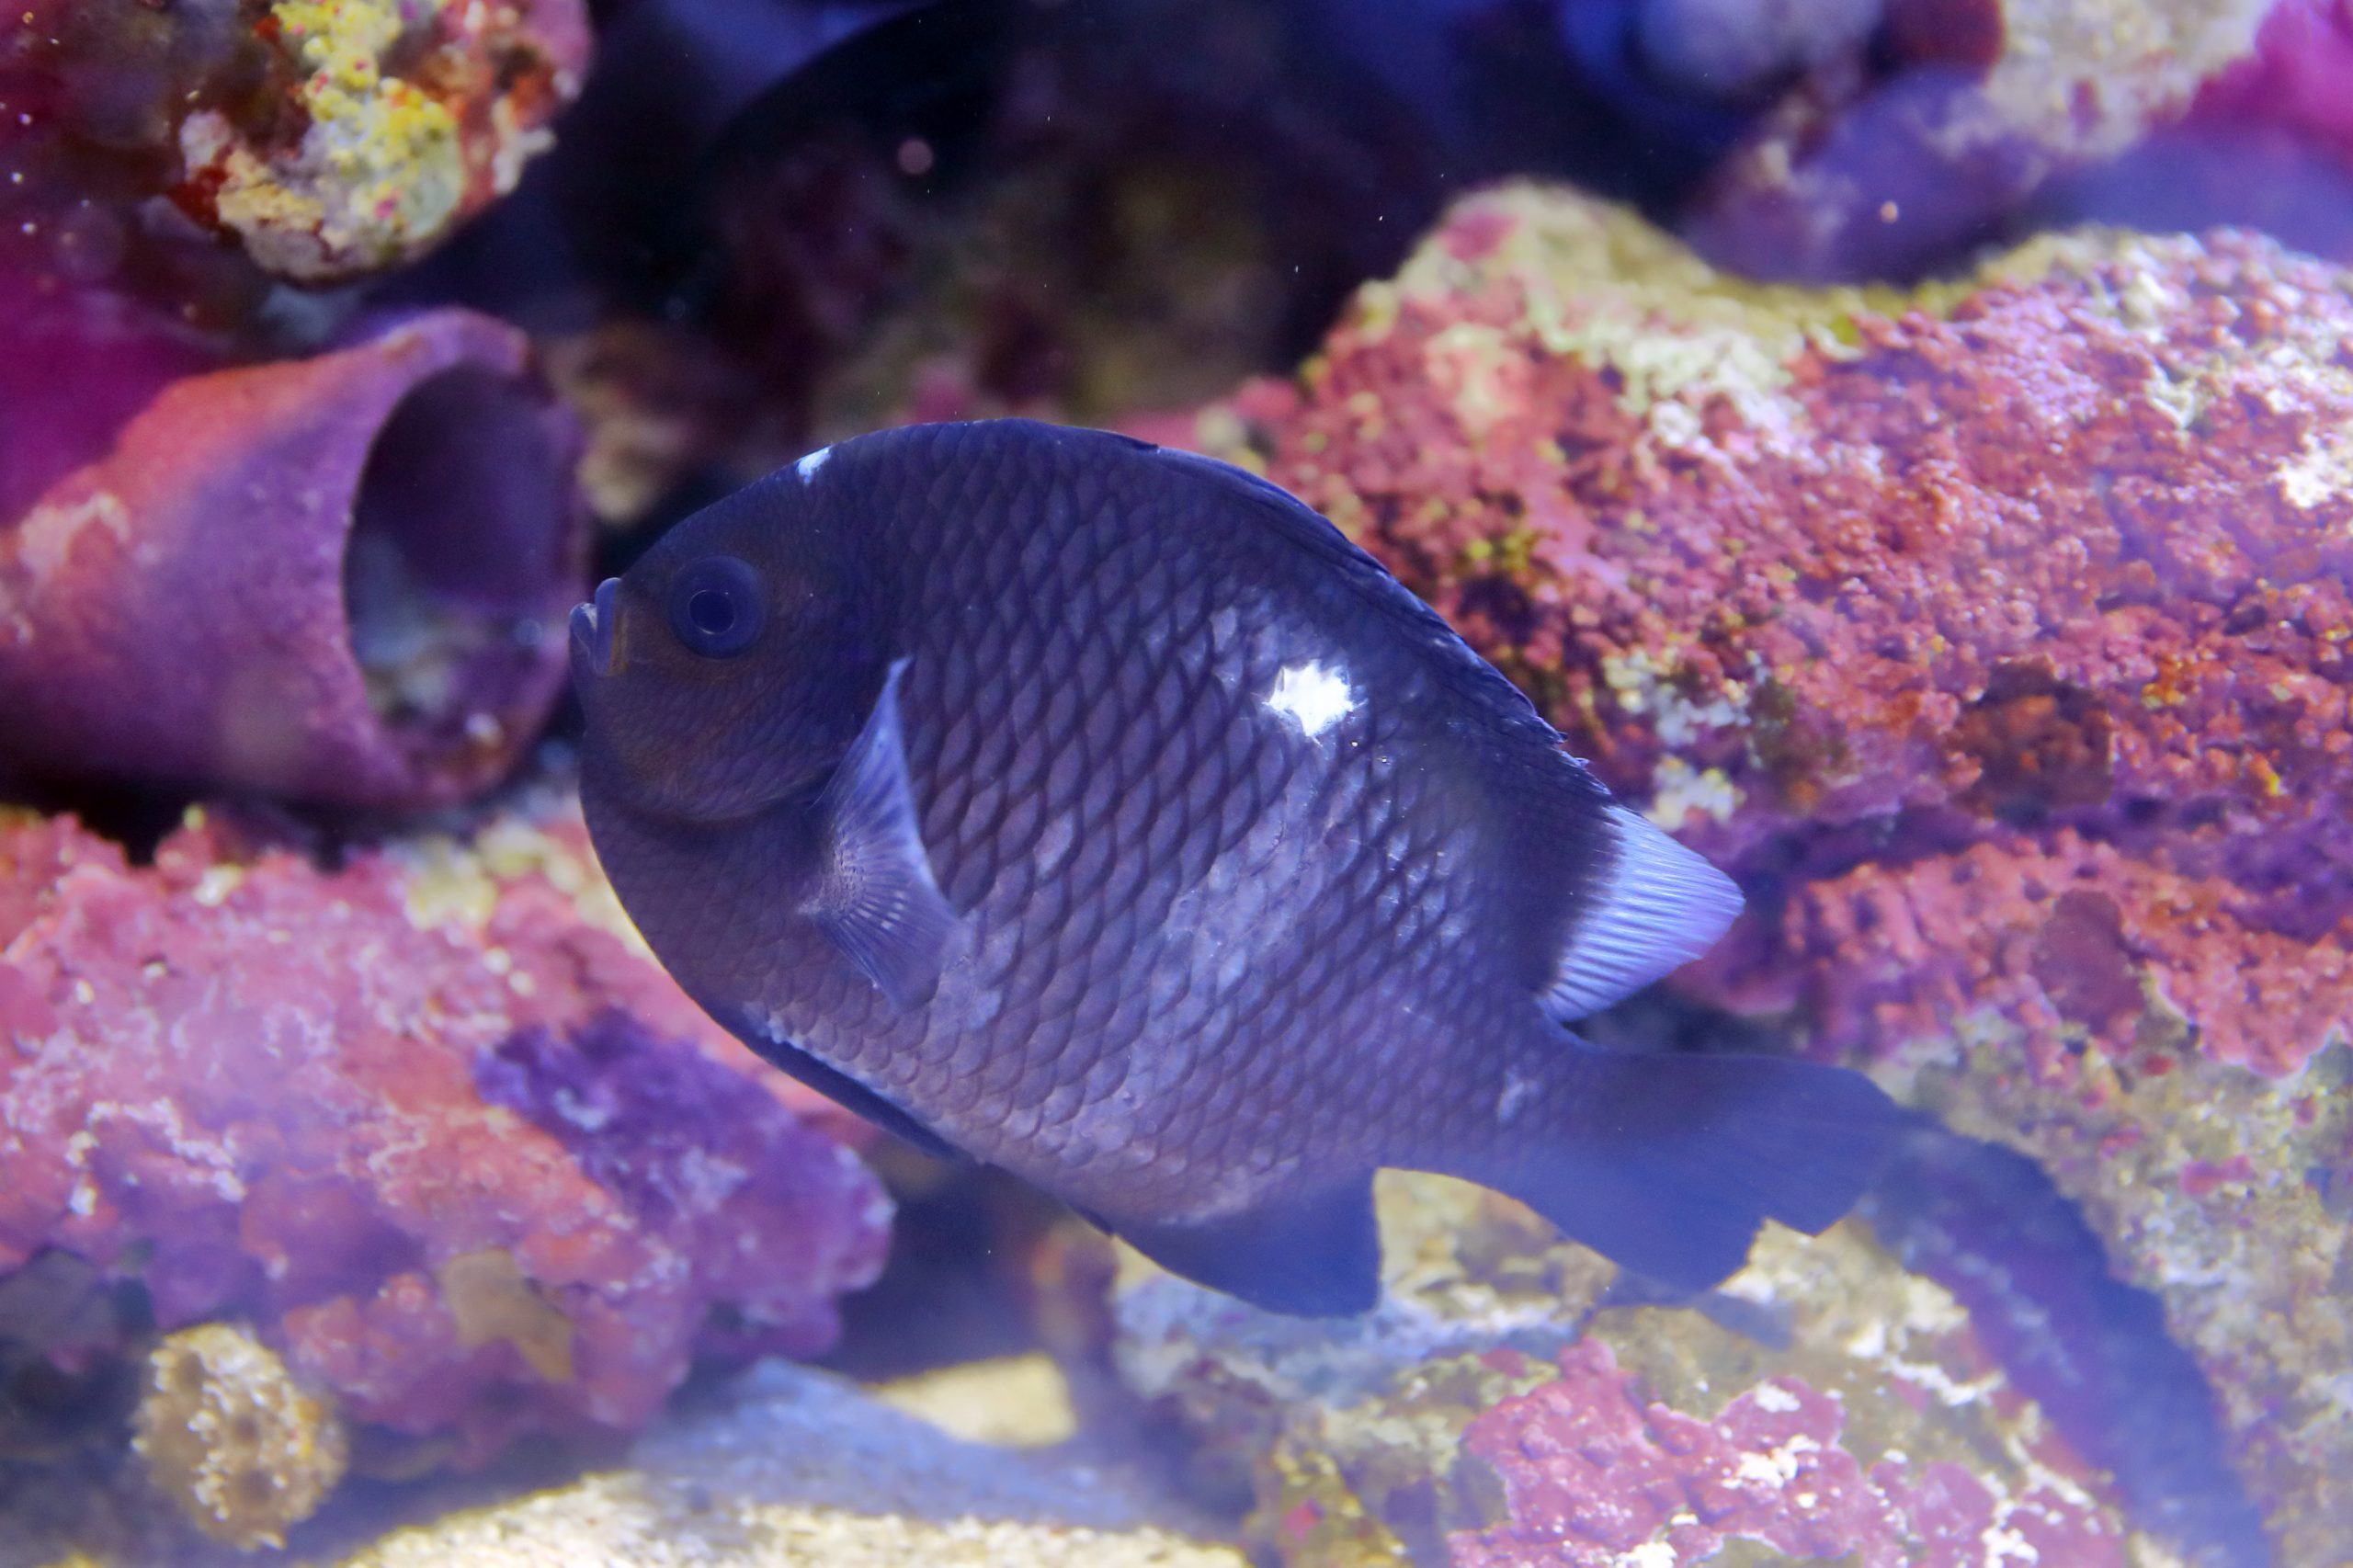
x: 1312, y: 696
x: 1515, y: 1092
x: 807, y: 467
x: 1054, y: 844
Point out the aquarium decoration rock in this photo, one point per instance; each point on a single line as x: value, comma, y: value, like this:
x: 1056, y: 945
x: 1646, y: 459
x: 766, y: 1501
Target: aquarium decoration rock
x: 229, y: 1435
x: 325, y: 138
x: 1989, y: 632
x: 341, y: 578
x: 410, y: 1120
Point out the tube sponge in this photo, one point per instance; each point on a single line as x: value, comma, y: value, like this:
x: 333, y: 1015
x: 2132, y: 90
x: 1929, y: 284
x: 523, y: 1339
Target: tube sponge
x: 341, y: 578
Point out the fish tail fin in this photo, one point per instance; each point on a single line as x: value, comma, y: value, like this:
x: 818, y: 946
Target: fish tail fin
x: 1667, y: 1163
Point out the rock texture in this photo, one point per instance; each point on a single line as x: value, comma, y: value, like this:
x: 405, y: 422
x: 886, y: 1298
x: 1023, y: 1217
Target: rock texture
x: 326, y: 138
x: 1954, y: 118
x: 454, y: 1147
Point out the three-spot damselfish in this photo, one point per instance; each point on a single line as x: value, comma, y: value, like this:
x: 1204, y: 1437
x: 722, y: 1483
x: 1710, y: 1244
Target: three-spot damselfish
x: 1102, y: 812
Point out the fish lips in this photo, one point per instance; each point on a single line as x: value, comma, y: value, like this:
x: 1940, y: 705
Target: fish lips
x: 593, y: 628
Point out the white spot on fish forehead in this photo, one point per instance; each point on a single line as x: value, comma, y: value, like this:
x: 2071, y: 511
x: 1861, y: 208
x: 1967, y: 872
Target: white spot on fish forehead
x: 1311, y: 695
x: 807, y: 467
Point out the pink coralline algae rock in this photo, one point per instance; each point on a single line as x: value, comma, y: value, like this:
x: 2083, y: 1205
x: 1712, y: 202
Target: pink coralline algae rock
x: 1995, y: 632
x: 453, y: 1146
x: 342, y: 577
x: 1593, y: 1476
x: 1993, y: 636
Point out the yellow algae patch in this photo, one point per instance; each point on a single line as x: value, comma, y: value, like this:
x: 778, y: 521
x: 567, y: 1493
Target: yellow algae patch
x: 492, y: 1300
x: 1599, y: 283
x: 379, y: 173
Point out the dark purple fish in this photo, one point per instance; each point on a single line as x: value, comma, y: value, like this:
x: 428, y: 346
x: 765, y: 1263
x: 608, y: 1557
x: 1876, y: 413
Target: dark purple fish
x: 1102, y: 812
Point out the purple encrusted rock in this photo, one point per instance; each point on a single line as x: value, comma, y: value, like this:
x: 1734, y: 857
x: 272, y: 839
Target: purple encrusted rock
x: 338, y: 578
x: 722, y: 1175
x: 425, y: 1124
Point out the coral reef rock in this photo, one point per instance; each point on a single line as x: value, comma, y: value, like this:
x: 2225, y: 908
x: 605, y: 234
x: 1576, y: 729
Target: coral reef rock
x: 327, y: 138
x: 232, y: 1439
x: 431, y: 1123
x: 1992, y: 634
x: 1934, y: 131
x: 799, y: 1470
x: 342, y: 577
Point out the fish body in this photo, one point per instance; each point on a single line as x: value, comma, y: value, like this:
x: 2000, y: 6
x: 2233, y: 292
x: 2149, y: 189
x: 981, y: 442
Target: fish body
x: 1101, y: 812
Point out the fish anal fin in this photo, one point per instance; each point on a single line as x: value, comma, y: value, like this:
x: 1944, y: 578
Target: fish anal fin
x: 1312, y: 1253
x: 876, y: 900
x: 1656, y: 908
x: 1667, y: 1163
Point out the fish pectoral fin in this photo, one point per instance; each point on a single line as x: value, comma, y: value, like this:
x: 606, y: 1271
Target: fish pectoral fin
x: 1314, y: 1252
x: 1656, y: 908
x: 877, y: 900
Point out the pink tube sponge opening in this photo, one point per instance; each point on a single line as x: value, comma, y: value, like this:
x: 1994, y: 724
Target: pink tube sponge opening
x: 339, y: 578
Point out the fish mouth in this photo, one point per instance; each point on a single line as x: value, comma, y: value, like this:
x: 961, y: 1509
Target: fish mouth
x: 592, y: 632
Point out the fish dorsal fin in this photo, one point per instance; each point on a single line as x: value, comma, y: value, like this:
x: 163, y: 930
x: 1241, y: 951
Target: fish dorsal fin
x: 877, y: 900
x: 1656, y: 908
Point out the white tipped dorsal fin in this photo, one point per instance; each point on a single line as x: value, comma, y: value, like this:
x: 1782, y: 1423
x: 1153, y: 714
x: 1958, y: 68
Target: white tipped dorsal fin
x: 1657, y: 907
x: 876, y: 900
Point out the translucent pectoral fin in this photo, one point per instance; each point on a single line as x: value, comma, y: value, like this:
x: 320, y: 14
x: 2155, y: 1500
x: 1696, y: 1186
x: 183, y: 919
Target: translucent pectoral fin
x: 877, y: 900
x: 1659, y: 907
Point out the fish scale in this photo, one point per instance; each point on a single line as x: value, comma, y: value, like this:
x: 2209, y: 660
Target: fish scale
x: 1102, y: 814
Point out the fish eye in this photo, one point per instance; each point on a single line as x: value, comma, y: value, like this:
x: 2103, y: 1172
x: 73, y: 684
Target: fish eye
x: 716, y: 607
